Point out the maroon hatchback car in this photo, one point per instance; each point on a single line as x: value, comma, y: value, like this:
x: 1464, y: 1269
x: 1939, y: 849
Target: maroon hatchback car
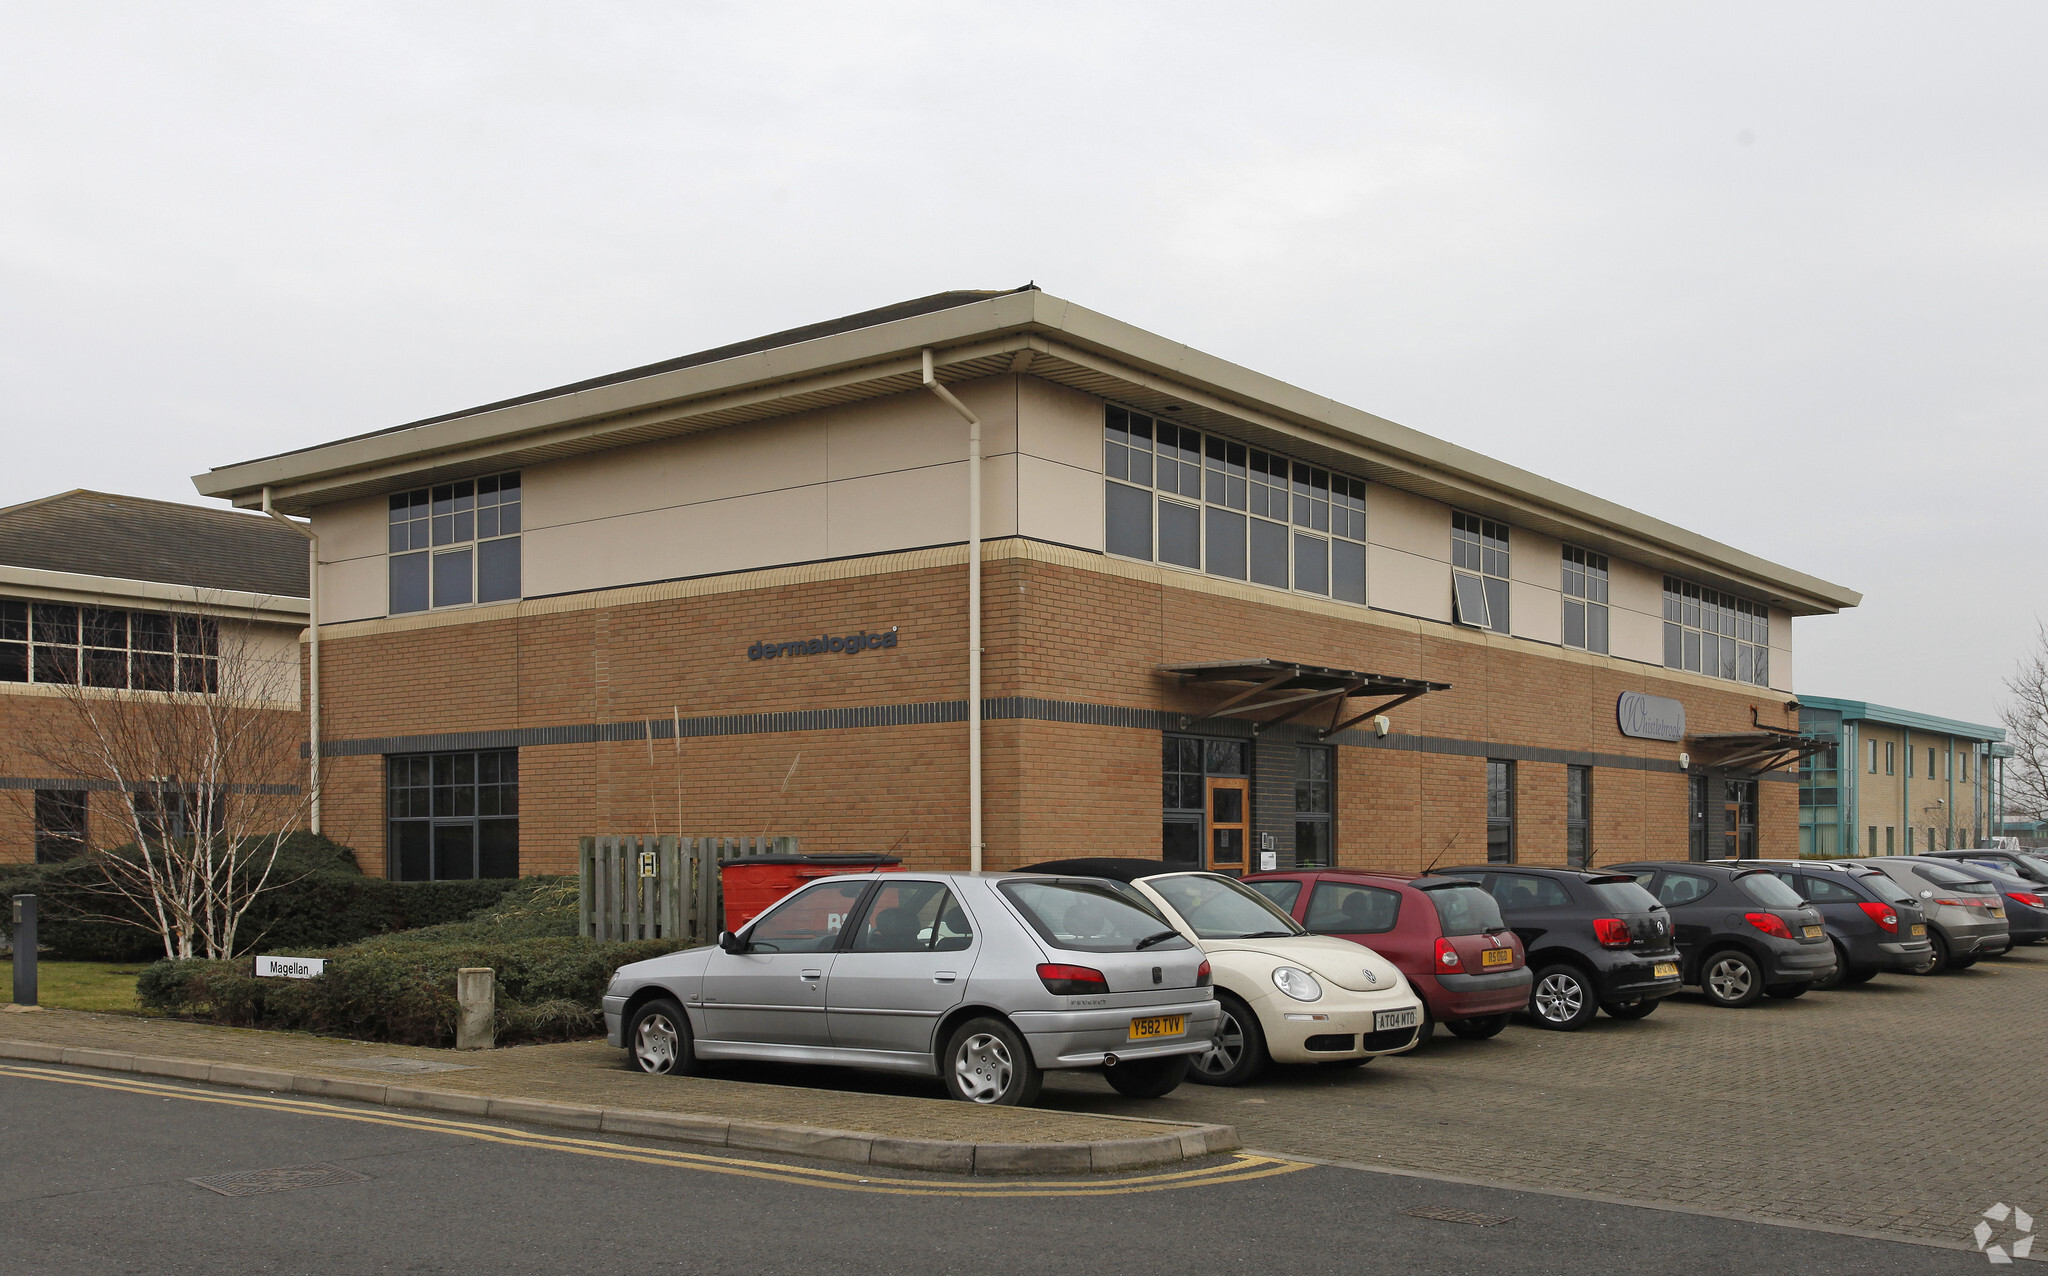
x: 1445, y: 934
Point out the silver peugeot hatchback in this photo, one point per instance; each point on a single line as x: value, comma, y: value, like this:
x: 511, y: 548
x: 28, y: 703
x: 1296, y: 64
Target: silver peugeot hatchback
x: 984, y: 980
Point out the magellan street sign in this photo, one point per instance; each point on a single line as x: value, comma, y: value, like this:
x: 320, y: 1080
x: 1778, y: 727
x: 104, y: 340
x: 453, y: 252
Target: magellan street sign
x: 1650, y: 717
x: 289, y: 967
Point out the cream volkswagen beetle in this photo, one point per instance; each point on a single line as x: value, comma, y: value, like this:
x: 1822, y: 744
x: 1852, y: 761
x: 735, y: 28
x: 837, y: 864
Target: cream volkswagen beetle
x: 1287, y: 996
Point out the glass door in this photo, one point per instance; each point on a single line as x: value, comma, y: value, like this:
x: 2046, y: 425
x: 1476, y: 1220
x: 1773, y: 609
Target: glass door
x: 1229, y: 824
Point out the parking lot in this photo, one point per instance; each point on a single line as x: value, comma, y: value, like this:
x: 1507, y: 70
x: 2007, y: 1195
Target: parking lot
x: 1905, y: 1106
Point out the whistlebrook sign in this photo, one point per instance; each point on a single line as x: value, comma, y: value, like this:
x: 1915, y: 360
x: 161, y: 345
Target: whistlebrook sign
x: 1650, y: 717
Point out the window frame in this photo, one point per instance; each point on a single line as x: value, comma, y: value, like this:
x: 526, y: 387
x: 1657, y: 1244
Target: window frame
x: 1307, y: 787
x: 423, y: 803
x: 55, y: 844
x: 1578, y: 816
x: 1482, y: 551
x: 1502, y: 770
x: 438, y: 527
x: 184, y: 659
x: 1585, y: 590
x: 1734, y: 631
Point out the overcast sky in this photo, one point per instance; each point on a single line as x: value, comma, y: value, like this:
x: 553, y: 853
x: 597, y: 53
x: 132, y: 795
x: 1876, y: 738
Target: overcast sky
x: 1771, y: 272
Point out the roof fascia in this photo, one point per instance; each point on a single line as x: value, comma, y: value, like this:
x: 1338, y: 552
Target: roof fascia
x: 1864, y: 711
x: 82, y: 587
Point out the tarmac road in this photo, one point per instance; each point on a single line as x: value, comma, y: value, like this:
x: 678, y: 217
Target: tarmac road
x: 94, y: 1171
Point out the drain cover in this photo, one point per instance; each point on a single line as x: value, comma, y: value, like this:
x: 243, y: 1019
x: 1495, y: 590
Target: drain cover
x: 1445, y: 1215
x: 391, y: 1063
x: 284, y: 1178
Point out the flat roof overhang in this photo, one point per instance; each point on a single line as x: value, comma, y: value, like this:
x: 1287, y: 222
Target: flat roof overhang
x: 1764, y: 749
x: 1299, y: 689
x: 1018, y: 332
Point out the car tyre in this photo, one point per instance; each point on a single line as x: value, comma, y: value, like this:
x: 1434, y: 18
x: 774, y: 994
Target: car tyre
x: 1786, y: 992
x: 1731, y: 978
x: 1841, y: 972
x: 658, y: 1039
x: 1477, y: 1029
x: 1943, y: 957
x: 1631, y: 1009
x: 1238, y: 1051
x: 986, y: 1061
x: 1562, y: 998
x: 1148, y: 1078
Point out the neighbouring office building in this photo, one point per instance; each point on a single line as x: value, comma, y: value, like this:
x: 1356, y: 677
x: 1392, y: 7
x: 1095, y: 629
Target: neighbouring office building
x: 108, y: 598
x: 1224, y: 619
x: 1894, y: 782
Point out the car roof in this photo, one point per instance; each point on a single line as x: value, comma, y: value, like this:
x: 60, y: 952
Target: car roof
x: 1111, y: 867
x: 1733, y: 868
x: 1426, y: 882
x: 1546, y: 870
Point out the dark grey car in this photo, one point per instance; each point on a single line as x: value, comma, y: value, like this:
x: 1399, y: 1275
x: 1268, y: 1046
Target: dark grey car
x: 985, y: 980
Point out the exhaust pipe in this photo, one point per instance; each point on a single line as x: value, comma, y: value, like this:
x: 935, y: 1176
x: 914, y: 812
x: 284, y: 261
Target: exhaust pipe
x: 1108, y: 1060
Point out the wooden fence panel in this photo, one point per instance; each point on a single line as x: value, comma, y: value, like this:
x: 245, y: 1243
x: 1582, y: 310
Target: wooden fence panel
x: 639, y: 887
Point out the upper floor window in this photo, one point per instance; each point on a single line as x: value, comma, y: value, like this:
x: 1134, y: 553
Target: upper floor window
x: 1204, y: 502
x: 1585, y: 599
x: 1479, y: 572
x: 455, y: 544
x: 1716, y: 634
x: 63, y: 643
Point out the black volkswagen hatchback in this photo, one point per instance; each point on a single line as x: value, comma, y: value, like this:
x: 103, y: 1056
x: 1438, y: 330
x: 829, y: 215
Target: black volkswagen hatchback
x: 1742, y: 932
x: 1596, y: 940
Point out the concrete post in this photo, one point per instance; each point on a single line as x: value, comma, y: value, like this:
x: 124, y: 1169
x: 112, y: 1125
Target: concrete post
x: 476, y: 997
x: 24, y: 950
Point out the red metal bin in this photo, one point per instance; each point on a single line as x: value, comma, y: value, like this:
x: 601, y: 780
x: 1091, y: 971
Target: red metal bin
x: 754, y: 882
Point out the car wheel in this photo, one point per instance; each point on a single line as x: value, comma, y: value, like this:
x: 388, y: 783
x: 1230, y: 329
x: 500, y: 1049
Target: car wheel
x: 1238, y: 1051
x: 1478, y: 1029
x: 1841, y: 972
x: 987, y: 1061
x: 1148, y: 1078
x: 658, y: 1039
x: 1859, y: 975
x: 1786, y: 992
x: 1425, y: 1032
x: 1562, y: 999
x: 1630, y: 1009
x: 1961, y: 963
x: 1942, y: 956
x: 1731, y: 977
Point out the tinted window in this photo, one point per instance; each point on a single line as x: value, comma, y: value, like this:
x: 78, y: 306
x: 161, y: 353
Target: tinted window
x: 1624, y: 897
x: 1340, y: 908
x: 1128, y: 521
x: 1684, y: 888
x: 1885, y: 888
x: 1767, y: 890
x: 1825, y: 890
x: 1523, y: 890
x: 1465, y: 910
x: 1283, y: 893
x: 808, y: 921
x: 913, y: 917
x: 1949, y: 879
x: 1219, y: 908
x: 1092, y: 917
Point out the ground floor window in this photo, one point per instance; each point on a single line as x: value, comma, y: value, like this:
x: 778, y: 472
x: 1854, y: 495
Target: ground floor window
x: 1738, y: 819
x: 452, y: 815
x: 1696, y: 818
x: 1500, y: 812
x: 60, y: 825
x: 1314, y: 780
x: 169, y: 812
x: 1205, y: 802
x: 1578, y: 816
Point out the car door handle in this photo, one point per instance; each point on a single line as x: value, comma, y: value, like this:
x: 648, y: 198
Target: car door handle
x: 812, y: 974
x: 943, y: 976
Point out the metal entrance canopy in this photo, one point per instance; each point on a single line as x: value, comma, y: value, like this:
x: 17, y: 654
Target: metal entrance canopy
x: 1299, y: 689
x: 1764, y: 749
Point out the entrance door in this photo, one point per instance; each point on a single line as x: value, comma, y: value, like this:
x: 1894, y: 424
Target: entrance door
x: 1229, y: 824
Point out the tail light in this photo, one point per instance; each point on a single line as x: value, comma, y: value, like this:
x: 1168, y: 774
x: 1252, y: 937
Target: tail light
x: 1954, y: 903
x: 1072, y: 981
x: 2022, y: 897
x: 1769, y: 924
x: 1446, y: 956
x: 1612, y: 932
x: 1202, y: 973
x: 1884, y: 915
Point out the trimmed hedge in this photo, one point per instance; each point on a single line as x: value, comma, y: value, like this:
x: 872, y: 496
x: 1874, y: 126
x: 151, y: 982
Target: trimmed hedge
x: 401, y: 989
x: 323, y: 901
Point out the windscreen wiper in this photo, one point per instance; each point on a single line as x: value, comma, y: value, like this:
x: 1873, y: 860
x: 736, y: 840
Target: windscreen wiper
x: 1160, y: 938
x: 1269, y: 934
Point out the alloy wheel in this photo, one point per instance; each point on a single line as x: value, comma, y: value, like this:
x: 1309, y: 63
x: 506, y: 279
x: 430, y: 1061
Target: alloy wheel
x: 1728, y: 980
x: 983, y: 1068
x: 656, y: 1043
x: 1225, y: 1050
x: 1560, y: 998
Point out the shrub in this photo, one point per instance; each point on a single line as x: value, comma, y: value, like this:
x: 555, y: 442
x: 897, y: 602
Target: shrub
x: 401, y: 988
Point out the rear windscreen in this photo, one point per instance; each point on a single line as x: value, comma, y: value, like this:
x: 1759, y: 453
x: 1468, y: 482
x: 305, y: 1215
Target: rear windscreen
x: 1885, y: 888
x: 1090, y: 916
x: 1465, y: 910
x: 1950, y: 880
x: 1624, y: 897
x: 1766, y: 889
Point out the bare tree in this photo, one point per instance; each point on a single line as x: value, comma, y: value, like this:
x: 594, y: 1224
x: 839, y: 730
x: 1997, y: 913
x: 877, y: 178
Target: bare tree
x: 2025, y: 714
x: 188, y: 724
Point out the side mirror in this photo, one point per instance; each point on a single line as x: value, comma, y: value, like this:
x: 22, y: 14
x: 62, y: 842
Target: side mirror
x: 730, y: 942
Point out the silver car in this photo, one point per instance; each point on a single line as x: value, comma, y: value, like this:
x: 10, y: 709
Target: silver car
x: 984, y: 980
x: 1965, y: 916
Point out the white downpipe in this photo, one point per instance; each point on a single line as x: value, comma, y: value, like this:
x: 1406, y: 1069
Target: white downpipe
x: 313, y: 628
x: 973, y: 612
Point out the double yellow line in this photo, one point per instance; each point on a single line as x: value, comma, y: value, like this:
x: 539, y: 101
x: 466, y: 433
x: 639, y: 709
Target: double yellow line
x: 1238, y: 1169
